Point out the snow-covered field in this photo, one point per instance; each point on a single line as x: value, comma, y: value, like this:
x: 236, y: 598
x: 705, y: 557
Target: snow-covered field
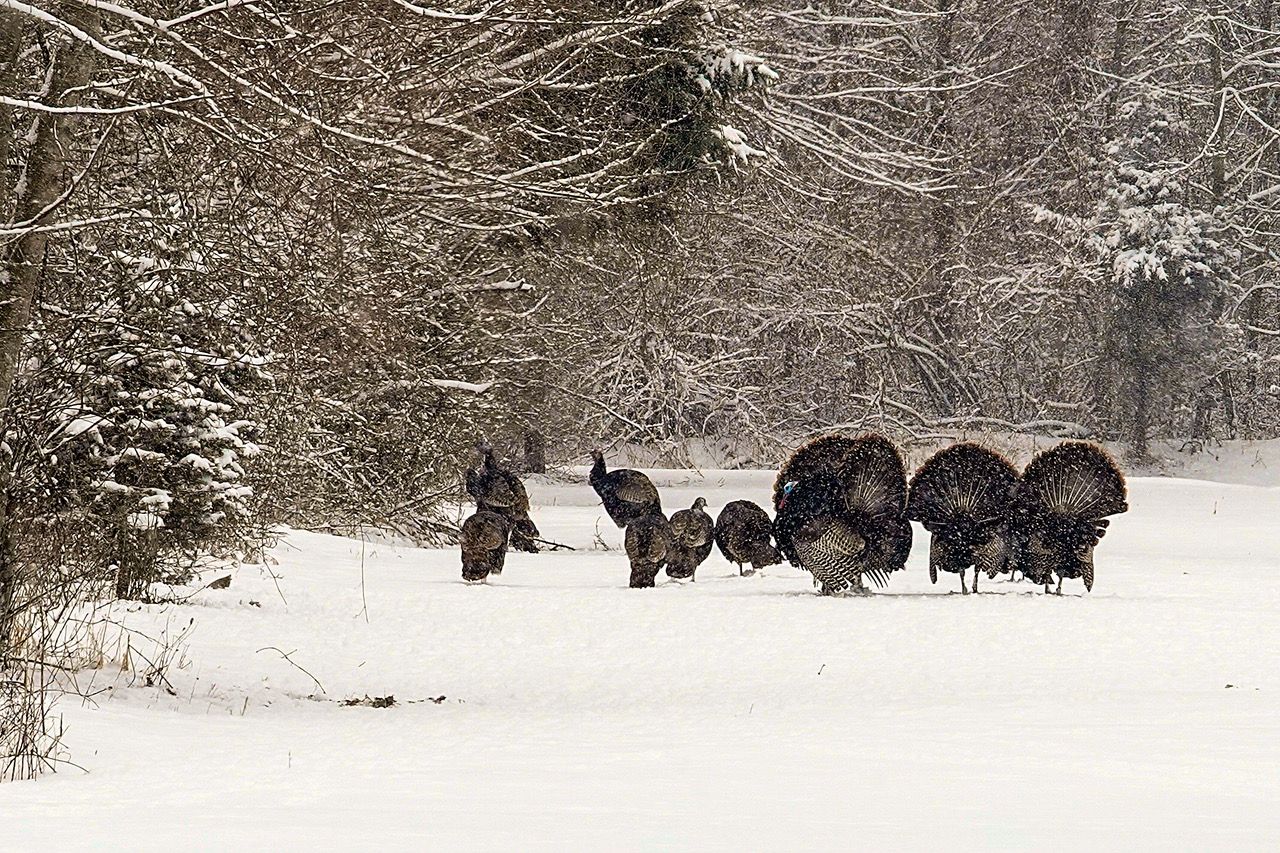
x: 732, y: 713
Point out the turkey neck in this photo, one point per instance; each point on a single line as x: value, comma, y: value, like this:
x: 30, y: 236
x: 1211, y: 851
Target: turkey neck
x: 597, y: 472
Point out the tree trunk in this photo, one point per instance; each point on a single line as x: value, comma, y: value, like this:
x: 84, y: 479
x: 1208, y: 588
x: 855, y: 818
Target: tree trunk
x: 1140, y: 434
x: 47, y: 175
x: 10, y: 46
x: 942, y: 209
x: 1217, y: 154
x: 8, y: 571
x: 1218, y: 190
x: 1118, y: 49
x: 1109, y: 380
x: 535, y: 452
x: 1261, y: 305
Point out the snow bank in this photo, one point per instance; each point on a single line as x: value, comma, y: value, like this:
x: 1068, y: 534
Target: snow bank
x: 731, y: 713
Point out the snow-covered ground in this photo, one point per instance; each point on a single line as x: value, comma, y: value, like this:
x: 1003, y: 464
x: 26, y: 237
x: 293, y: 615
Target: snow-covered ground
x: 732, y: 713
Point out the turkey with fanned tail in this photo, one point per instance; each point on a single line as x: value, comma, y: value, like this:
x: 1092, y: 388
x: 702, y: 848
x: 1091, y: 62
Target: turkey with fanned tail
x: 496, y: 489
x: 626, y: 494
x: 1060, y: 510
x: 962, y: 495
x: 841, y: 511
x: 691, y: 534
x: 744, y: 534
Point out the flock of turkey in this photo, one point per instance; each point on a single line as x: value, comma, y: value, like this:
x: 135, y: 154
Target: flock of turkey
x: 843, y: 509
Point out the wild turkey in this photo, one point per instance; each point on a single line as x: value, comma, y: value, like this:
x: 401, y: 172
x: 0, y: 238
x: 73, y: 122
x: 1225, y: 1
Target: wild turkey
x: 841, y: 505
x: 648, y: 541
x: 484, y: 545
x: 626, y: 494
x: 692, y: 531
x: 744, y: 534
x: 1060, y: 507
x: 962, y: 496
x: 495, y: 489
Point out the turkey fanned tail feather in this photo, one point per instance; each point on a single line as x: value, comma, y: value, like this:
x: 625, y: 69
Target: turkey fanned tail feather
x: 1060, y: 510
x: 963, y: 495
x: 841, y: 511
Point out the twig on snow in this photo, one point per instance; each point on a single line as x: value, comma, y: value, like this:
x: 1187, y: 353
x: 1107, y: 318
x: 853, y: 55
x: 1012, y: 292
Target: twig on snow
x: 285, y: 655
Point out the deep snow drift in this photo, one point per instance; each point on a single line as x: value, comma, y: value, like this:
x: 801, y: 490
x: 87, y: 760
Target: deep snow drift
x: 730, y: 713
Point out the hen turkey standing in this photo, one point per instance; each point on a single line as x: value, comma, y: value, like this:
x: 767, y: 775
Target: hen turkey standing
x: 495, y: 489
x: 627, y: 495
x: 484, y: 545
x: 744, y: 534
x: 691, y: 535
x: 648, y: 542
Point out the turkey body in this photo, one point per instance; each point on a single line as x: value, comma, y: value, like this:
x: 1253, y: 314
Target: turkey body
x: 648, y: 542
x: 744, y: 535
x: 1060, y: 510
x: 692, y: 532
x: 484, y: 545
x: 496, y: 489
x: 963, y: 496
x: 841, y: 512
x: 626, y: 494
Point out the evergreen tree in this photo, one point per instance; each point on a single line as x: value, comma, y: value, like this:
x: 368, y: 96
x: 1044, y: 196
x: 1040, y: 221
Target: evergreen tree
x: 172, y: 373
x: 1162, y: 269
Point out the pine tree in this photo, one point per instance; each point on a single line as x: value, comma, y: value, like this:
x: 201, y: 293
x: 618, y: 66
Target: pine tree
x: 173, y: 370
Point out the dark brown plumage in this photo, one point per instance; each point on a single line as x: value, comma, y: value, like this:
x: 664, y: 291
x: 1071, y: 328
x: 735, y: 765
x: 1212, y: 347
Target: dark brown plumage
x: 744, y: 534
x: 692, y: 531
x: 496, y: 489
x: 626, y: 494
x: 962, y: 495
x: 1059, y: 512
x: 648, y: 541
x: 484, y: 545
x: 841, y: 505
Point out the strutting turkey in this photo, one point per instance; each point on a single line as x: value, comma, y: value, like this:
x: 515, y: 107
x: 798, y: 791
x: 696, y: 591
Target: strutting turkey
x: 484, y: 545
x: 648, y: 542
x: 744, y: 534
x: 626, y: 494
x: 1059, y: 512
x: 841, y: 511
x: 495, y: 489
x: 692, y: 531
x: 962, y: 496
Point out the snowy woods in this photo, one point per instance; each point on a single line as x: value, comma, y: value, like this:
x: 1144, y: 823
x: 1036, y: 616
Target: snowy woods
x: 1055, y: 220
x: 280, y: 262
